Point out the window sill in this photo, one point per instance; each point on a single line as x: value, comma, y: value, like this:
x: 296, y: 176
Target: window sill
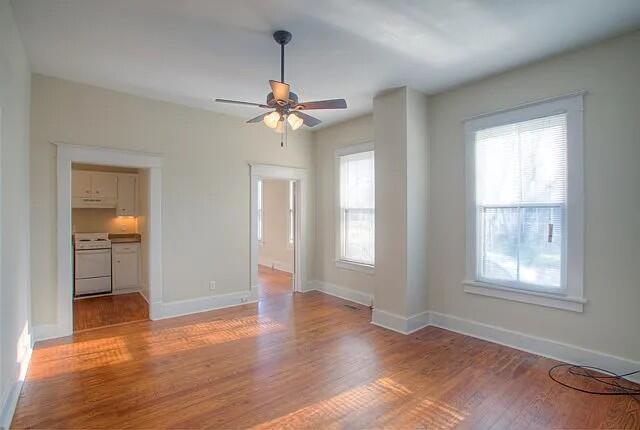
x: 567, y: 303
x: 358, y: 267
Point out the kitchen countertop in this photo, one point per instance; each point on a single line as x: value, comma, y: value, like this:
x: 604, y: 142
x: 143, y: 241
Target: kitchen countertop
x: 125, y: 237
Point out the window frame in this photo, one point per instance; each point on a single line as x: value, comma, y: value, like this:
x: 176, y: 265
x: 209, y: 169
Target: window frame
x: 340, y: 262
x: 570, y: 296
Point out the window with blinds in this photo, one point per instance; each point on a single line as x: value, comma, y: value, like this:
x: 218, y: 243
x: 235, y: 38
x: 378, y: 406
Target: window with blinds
x: 357, y: 208
x: 521, y: 200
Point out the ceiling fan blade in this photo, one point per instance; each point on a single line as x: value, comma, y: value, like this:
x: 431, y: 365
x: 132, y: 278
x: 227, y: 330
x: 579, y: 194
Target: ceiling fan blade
x: 308, y: 120
x: 236, y: 102
x: 322, y: 104
x: 259, y: 118
x: 280, y: 91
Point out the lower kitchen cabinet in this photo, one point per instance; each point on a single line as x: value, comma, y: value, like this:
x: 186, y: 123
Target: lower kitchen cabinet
x: 125, y: 261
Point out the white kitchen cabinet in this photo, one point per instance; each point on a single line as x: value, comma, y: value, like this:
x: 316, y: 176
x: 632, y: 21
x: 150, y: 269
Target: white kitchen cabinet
x: 104, y: 185
x: 94, y: 189
x: 125, y: 260
x: 81, y: 183
x: 127, y: 187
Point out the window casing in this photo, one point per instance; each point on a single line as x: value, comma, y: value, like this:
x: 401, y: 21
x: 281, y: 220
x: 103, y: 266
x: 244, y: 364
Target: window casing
x: 355, y: 233
x: 524, y: 203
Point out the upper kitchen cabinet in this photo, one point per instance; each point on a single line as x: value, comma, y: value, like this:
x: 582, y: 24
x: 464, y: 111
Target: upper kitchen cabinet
x: 127, y: 187
x: 94, y: 189
x: 105, y: 190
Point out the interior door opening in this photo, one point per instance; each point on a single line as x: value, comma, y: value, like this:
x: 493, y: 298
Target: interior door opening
x: 276, y: 236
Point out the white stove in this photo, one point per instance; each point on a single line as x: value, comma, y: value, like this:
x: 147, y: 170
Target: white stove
x: 92, y: 263
x: 91, y: 241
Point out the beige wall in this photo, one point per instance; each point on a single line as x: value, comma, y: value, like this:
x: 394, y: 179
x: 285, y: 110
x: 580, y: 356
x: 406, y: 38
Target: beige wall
x: 275, y: 248
x: 142, y: 223
x: 205, y: 183
x: 610, y: 73
x: 15, y: 314
x: 359, y: 130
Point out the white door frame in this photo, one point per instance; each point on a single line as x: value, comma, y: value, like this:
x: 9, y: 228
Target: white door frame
x: 68, y: 154
x: 299, y: 175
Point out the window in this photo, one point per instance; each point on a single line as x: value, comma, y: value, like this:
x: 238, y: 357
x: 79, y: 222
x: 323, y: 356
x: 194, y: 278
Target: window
x: 522, y: 200
x: 356, y: 217
x: 291, y: 212
x: 259, y: 227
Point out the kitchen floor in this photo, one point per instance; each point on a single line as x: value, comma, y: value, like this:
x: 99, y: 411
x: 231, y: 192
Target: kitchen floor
x: 272, y: 282
x: 94, y: 312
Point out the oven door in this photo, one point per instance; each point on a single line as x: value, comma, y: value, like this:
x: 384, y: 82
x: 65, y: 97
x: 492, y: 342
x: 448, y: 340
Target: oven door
x: 92, y: 263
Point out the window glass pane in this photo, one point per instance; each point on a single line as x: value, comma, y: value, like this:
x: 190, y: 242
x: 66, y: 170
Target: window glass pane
x: 541, y: 246
x: 521, y: 181
x: 357, y: 207
x: 359, y: 235
x: 499, y: 244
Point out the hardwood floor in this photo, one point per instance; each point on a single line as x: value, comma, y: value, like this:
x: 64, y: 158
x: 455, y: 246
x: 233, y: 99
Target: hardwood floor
x: 297, y: 361
x: 273, y: 282
x: 104, y: 311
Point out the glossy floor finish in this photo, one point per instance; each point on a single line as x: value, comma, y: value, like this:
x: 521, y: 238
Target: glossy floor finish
x: 273, y: 282
x: 297, y: 361
x: 104, y: 311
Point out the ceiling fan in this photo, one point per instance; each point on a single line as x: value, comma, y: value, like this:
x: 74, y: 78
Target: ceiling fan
x: 285, y: 108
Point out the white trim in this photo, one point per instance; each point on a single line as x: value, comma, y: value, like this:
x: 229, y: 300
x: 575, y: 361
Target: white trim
x: 358, y: 267
x: 299, y: 175
x: 535, y: 345
x: 573, y: 105
x: 69, y: 153
x: 11, y: 395
x: 341, y: 152
x: 283, y: 266
x: 341, y: 292
x: 203, y: 304
x: 399, y: 323
x: 568, y: 303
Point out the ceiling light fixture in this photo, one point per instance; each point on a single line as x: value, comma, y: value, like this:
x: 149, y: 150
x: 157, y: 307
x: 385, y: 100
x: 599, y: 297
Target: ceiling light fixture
x: 287, y: 109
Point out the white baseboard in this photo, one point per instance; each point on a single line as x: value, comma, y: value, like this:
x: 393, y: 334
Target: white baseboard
x: 276, y: 264
x: 356, y: 296
x: 399, y: 323
x: 47, y: 331
x: 10, y: 396
x: 536, y: 345
x: 202, y: 304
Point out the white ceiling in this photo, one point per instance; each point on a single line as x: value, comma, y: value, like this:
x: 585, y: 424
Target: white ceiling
x: 191, y: 51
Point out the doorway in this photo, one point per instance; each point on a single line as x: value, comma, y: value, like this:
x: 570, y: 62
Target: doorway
x: 109, y: 234
x: 277, y: 214
x: 151, y: 166
x: 276, y: 236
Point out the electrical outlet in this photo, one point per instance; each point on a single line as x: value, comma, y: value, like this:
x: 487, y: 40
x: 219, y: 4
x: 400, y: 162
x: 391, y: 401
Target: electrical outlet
x: 212, y: 285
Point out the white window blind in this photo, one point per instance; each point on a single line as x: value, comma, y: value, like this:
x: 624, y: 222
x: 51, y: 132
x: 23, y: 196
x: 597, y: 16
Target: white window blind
x: 259, y: 228
x: 521, y: 183
x: 357, y: 208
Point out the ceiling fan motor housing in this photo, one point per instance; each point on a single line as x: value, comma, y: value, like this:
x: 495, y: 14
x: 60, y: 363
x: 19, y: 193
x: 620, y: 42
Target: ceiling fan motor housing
x: 293, y: 99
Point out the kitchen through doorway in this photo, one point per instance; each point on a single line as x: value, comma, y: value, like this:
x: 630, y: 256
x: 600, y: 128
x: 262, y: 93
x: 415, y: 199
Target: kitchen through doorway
x: 109, y: 231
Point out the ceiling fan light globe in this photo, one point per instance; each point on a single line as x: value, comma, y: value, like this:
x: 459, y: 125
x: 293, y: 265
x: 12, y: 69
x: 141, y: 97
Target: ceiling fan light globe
x: 280, y: 127
x: 295, y: 121
x: 272, y: 120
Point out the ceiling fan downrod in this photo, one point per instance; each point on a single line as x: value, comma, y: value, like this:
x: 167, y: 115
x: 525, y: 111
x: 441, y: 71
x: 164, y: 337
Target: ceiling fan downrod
x: 282, y: 37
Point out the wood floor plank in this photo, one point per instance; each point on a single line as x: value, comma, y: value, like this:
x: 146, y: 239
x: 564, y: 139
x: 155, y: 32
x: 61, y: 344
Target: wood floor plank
x: 297, y: 361
x: 93, y: 312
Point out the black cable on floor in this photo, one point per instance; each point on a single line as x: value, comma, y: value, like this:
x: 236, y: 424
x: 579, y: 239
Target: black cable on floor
x: 610, y: 380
